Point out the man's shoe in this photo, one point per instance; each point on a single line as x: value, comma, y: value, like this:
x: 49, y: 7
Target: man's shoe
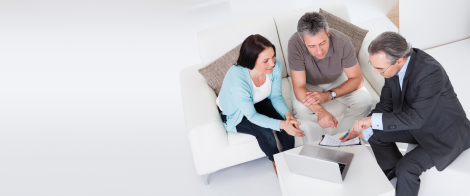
x: 390, y: 173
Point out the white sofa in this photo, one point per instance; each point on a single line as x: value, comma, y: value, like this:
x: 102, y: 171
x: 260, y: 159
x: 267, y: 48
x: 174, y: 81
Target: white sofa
x: 214, y: 148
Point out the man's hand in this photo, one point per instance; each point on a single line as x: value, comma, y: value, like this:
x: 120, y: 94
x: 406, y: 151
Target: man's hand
x: 316, y: 97
x: 361, y: 124
x: 352, y: 135
x: 326, y: 119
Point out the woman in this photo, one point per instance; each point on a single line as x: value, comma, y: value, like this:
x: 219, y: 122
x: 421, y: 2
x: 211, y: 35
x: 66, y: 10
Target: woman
x: 250, y: 99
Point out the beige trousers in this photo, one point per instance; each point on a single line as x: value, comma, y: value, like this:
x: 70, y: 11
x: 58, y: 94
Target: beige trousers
x: 346, y: 109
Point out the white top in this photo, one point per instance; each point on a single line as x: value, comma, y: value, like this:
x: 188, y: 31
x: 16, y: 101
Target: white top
x: 259, y: 93
x: 262, y: 92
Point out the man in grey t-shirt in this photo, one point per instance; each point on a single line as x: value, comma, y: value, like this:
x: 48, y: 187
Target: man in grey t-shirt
x: 324, y: 67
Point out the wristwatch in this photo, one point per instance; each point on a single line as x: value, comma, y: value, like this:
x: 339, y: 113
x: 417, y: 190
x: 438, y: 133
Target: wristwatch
x: 333, y: 94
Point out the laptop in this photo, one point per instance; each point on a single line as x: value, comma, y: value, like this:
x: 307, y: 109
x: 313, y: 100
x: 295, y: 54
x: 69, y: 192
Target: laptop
x: 317, y: 162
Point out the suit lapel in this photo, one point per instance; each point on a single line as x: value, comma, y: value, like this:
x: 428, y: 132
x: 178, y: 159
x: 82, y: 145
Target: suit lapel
x: 409, y: 69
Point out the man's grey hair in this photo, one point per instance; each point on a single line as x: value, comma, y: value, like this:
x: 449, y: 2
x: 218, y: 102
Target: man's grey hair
x: 311, y: 23
x: 392, y: 44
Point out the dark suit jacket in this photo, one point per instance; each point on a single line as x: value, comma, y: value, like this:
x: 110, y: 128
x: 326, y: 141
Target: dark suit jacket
x: 428, y: 107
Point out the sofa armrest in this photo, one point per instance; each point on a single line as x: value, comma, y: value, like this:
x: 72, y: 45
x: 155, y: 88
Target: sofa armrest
x: 376, y: 81
x: 203, y: 124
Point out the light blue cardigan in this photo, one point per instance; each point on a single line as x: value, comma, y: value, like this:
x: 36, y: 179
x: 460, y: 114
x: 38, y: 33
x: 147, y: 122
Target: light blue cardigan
x: 236, y: 98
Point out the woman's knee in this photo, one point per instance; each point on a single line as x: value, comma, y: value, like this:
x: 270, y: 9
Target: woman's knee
x: 284, y: 135
x: 287, y: 141
x: 268, y: 138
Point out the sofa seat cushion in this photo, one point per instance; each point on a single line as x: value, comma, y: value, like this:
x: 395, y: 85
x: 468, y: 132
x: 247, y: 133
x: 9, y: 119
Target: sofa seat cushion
x: 239, y: 138
x: 450, y: 181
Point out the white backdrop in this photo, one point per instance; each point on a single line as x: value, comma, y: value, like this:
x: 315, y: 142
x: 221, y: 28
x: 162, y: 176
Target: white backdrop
x: 431, y: 23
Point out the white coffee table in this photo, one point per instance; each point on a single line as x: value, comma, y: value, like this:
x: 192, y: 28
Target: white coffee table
x: 363, y: 178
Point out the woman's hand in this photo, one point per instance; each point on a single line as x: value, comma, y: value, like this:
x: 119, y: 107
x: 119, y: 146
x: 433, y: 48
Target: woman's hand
x: 291, y: 120
x: 291, y: 129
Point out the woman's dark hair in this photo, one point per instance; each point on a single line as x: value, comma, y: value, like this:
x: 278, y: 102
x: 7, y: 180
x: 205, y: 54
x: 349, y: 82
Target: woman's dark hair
x: 251, y: 48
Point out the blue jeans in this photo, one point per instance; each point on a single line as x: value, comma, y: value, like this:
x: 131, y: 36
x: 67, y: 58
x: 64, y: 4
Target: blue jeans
x: 265, y: 136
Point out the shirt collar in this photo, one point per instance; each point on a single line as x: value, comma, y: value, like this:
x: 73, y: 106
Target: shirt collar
x: 402, y: 71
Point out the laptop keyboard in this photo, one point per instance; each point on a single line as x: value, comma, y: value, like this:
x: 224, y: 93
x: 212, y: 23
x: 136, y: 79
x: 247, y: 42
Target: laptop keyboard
x: 341, y: 167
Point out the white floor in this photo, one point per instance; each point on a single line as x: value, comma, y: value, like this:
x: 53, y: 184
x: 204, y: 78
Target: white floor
x: 90, y: 96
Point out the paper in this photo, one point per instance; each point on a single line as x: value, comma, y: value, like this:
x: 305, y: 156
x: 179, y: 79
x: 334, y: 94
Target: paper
x: 329, y: 140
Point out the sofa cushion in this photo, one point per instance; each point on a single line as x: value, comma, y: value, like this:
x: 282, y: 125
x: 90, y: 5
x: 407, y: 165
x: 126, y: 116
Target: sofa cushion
x: 376, y: 81
x: 215, y: 72
x: 239, y: 138
x: 355, y: 33
x: 456, y: 175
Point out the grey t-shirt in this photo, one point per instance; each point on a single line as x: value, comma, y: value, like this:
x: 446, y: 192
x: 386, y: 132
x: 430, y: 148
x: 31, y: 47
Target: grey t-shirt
x: 340, y: 55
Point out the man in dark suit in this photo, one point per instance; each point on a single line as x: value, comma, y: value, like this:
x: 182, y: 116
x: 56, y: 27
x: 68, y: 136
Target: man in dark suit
x: 417, y: 105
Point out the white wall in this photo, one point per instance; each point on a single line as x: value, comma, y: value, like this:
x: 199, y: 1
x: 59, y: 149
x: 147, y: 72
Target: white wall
x: 362, y: 10
x: 431, y: 23
x: 365, y: 10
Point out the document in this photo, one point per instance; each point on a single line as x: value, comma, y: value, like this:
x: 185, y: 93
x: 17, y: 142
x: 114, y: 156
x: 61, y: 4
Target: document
x: 329, y: 140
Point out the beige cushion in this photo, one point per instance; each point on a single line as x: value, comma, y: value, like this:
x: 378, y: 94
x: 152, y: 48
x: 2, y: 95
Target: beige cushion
x: 215, y: 72
x: 355, y: 33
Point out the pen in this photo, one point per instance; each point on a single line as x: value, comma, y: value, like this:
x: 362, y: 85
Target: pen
x: 345, y: 136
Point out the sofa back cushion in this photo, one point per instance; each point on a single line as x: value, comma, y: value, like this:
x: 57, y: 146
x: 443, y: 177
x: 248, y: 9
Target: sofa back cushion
x: 355, y: 33
x: 287, y: 22
x: 376, y: 81
x: 214, y: 73
x: 213, y: 43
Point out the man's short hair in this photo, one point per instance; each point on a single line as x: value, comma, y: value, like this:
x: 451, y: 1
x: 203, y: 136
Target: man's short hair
x: 392, y: 44
x: 251, y: 48
x: 311, y: 23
